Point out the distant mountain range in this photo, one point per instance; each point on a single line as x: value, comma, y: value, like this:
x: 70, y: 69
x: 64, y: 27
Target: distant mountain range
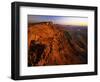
x: 70, y: 27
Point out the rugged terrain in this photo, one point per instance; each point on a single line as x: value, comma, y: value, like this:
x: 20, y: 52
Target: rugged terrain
x: 49, y: 44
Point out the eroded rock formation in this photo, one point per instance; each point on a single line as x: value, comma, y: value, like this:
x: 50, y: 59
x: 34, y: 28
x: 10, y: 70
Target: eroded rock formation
x: 49, y: 45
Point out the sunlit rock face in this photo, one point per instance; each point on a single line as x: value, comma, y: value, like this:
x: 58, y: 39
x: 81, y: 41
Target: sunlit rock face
x: 50, y: 45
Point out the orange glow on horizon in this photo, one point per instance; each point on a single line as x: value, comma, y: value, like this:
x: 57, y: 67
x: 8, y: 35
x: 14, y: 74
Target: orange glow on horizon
x: 77, y: 23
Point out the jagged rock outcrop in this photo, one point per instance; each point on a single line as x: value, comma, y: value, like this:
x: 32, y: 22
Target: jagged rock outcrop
x: 49, y: 45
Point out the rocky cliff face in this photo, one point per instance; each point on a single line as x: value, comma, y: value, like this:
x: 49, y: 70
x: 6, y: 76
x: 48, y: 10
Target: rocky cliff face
x: 49, y: 45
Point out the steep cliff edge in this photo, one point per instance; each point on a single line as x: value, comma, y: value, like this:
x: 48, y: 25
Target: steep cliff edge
x: 49, y: 45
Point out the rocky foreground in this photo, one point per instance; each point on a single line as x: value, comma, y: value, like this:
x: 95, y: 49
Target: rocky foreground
x: 49, y: 45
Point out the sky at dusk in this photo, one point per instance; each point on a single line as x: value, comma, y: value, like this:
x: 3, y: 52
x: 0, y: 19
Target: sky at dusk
x: 64, y: 20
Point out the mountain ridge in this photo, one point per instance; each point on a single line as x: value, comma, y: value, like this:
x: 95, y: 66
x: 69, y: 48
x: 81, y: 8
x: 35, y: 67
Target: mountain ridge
x: 49, y: 45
